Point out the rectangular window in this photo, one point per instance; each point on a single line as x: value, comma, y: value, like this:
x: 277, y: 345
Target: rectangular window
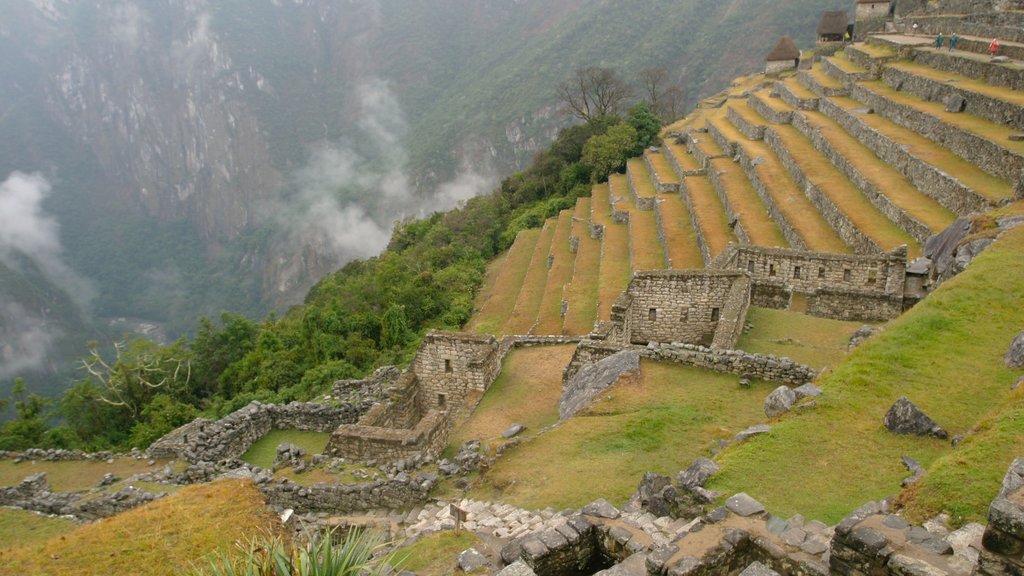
x: 750, y: 266
x: 716, y: 313
x: 652, y: 314
x: 447, y: 365
x: 872, y: 277
x: 771, y: 269
x: 796, y: 272
x: 847, y: 275
x: 440, y: 400
x: 821, y: 271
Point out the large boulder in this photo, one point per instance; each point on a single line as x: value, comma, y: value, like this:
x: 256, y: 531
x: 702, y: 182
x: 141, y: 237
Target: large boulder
x: 779, y: 402
x: 1015, y: 355
x: 906, y: 418
x: 698, y: 473
x: 595, y: 378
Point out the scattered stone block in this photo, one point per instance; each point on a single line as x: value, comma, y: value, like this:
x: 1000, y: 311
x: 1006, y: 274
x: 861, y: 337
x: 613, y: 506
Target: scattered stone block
x: 470, y: 560
x: 743, y: 505
x: 752, y: 431
x: 698, y: 473
x: 601, y: 508
x: 807, y: 391
x: 1016, y: 137
x: 758, y: 569
x: 513, y: 430
x: 1000, y: 59
x: 1015, y: 355
x: 779, y: 402
x: 906, y: 418
x: 966, y: 541
x: 517, y: 568
x: 955, y: 103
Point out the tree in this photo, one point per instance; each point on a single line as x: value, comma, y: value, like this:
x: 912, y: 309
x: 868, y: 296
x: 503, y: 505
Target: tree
x: 647, y: 127
x: 139, y: 369
x: 594, y: 92
x: 608, y: 153
x: 665, y: 99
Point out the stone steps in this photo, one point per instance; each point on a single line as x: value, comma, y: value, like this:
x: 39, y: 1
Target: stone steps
x: 850, y: 213
x: 871, y: 57
x: 820, y: 83
x: 998, y: 104
x: 675, y: 225
x: 581, y: 294
x: 562, y: 260
x: 682, y: 162
x: 839, y: 67
x: 955, y: 183
x: 753, y: 223
x: 710, y: 218
x: 796, y: 95
x: 974, y: 139
x: 771, y: 109
x: 704, y: 148
x: 641, y: 186
x: 979, y: 45
x: 798, y: 219
x: 524, y: 314
x: 666, y: 181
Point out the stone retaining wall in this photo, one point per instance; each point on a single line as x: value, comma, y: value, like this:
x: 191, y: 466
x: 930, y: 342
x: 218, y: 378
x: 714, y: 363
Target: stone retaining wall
x: 991, y: 73
x: 767, y: 112
x: 793, y: 100
x: 748, y: 129
x: 986, y: 154
x: 864, y: 59
x: 660, y: 186
x: 364, y: 442
x: 931, y: 180
x: 398, y: 493
x: 702, y: 243
x: 837, y: 72
x: 807, y: 80
x: 761, y: 187
x: 33, y: 493
x: 703, y: 159
x: 641, y: 202
x: 716, y: 181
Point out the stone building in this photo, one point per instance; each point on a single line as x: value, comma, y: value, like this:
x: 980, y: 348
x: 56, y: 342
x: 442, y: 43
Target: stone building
x: 706, y: 307
x: 867, y: 9
x: 784, y: 56
x: 845, y: 287
x: 832, y: 27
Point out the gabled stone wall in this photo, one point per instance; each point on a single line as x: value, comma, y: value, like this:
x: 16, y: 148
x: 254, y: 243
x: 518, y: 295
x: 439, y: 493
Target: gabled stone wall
x: 449, y: 365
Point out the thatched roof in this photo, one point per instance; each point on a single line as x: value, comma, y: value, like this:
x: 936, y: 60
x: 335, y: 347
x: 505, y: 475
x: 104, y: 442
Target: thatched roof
x: 832, y: 23
x: 785, y: 50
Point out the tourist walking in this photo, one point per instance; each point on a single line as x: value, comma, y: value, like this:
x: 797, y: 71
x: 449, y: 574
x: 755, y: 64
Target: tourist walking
x: 938, y: 40
x: 993, y: 48
x: 953, y: 41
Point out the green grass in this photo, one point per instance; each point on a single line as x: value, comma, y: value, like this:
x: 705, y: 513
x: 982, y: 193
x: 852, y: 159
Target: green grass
x: 816, y: 342
x: 659, y: 422
x: 165, y: 537
x: 23, y: 528
x: 495, y: 306
x: 946, y: 356
x: 582, y: 290
x: 73, y: 475
x: 524, y: 314
x: 435, y: 555
x: 262, y: 452
x: 680, y: 239
x: 549, y: 316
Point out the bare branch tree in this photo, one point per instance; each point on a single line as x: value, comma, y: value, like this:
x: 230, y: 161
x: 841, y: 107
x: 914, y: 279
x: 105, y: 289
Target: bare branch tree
x: 664, y: 99
x: 124, y: 379
x: 593, y: 92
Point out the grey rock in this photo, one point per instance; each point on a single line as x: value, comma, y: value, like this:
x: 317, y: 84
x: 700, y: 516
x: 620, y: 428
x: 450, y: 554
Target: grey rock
x: 513, y: 430
x: 916, y: 470
x: 955, y: 103
x: 854, y: 518
x: 906, y: 418
x: 966, y: 541
x: 1007, y: 516
x: 717, y: 515
x: 1015, y: 354
x: 108, y: 479
x: 775, y: 524
x: 1000, y: 59
x: 517, y: 568
x: 650, y: 485
x: 779, y: 401
x: 867, y: 541
x: 1010, y: 222
x: 807, y: 391
x: 794, y: 536
x: 1016, y: 137
x: 698, y: 473
x: 470, y: 560
x: 743, y: 505
x: 595, y: 378
x: 815, y: 544
x: 600, y: 508
x: 758, y: 569
x: 909, y: 566
x: 634, y: 565
x: 895, y: 522
x: 752, y: 431
x: 1013, y: 480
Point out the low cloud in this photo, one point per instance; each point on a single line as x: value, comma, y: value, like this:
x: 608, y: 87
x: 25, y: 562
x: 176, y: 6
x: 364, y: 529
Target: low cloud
x: 25, y: 339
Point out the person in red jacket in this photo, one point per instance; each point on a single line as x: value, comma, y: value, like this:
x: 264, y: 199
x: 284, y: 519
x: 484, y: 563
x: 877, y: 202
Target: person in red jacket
x: 993, y: 48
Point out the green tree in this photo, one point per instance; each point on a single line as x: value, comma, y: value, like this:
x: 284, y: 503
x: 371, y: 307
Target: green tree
x: 394, y: 326
x: 647, y: 127
x: 608, y: 153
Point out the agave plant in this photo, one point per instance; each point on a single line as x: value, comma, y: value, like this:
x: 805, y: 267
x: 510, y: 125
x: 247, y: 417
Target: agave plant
x: 355, y: 555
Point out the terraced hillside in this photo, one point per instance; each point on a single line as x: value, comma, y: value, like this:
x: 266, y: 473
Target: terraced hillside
x: 856, y: 153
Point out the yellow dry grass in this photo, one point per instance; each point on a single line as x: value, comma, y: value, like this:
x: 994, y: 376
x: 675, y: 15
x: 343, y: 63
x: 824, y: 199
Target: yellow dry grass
x: 841, y: 62
x: 798, y: 89
x: 524, y: 314
x: 711, y: 215
x: 494, y: 310
x: 747, y: 205
x: 662, y: 167
x: 646, y: 251
x: 680, y: 238
x: 683, y: 157
x: 74, y: 475
x: 643, y: 186
x: 582, y: 291
x: 549, y: 317
x: 615, y: 271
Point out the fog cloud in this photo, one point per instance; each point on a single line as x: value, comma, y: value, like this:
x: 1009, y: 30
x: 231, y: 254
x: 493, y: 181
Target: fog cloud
x: 25, y: 339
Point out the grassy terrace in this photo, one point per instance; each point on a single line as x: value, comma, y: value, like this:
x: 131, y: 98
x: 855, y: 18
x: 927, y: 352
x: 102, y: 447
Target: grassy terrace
x: 853, y: 459
x: 711, y: 215
x: 659, y: 422
x: 887, y: 179
x: 495, y: 306
x: 524, y: 315
x: 777, y: 104
x: 643, y: 186
x: 73, y: 476
x: 615, y: 272
x: 549, y: 318
x: 646, y: 251
x: 662, y: 167
x: 680, y: 239
x: 23, y: 528
x: 166, y: 537
x: 798, y: 89
x: 747, y: 205
x: 824, y: 80
x: 816, y: 342
x: 682, y: 156
x: 876, y: 50
x: 961, y: 81
x: 840, y: 60
x: 942, y: 158
x: 790, y: 200
x: 706, y: 144
x: 847, y: 198
x: 262, y: 451
x: 621, y: 198
x: 582, y: 291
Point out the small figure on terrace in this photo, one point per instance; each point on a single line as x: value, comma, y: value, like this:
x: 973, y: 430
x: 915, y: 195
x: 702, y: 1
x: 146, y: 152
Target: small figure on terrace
x: 953, y: 41
x: 993, y: 48
x: 939, y: 40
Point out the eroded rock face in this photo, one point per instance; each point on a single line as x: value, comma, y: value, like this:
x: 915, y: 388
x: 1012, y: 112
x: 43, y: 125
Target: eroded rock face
x: 595, y: 378
x: 1015, y: 355
x: 906, y: 418
x: 779, y: 402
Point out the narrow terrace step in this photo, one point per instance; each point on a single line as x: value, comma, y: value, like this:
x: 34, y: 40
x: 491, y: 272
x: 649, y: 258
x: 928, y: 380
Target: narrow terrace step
x: 561, y: 261
x: 683, y: 163
x: 979, y: 45
x: 770, y: 108
x: 665, y: 179
x: 581, y: 294
x: 614, y: 273
x: 870, y: 57
x: 641, y: 187
x: 974, y: 139
x: 710, y: 218
x: 840, y: 68
x: 646, y: 252
x: 856, y: 220
x: 675, y: 224
x: 620, y: 197
x: 890, y: 191
x: 955, y: 183
x: 754, y: 224
x: 794, y: 94
x: 524, y: 315
x: 494, y: 309
x: 799, y: 220
x: 975, y: 66
x: 704, y: 148
x: 820, y: 83
x: 968, y: 26
x: 998, y: 104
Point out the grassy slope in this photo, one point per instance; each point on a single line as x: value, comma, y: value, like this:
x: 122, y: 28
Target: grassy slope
x: 582, y: 291
x: 816, y: 342
x: 494, y: 308
x: 262, y: 451
x: 946, y: 356
x: 162, y: 538
x: 73, y: 476
x: 23, y: 528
